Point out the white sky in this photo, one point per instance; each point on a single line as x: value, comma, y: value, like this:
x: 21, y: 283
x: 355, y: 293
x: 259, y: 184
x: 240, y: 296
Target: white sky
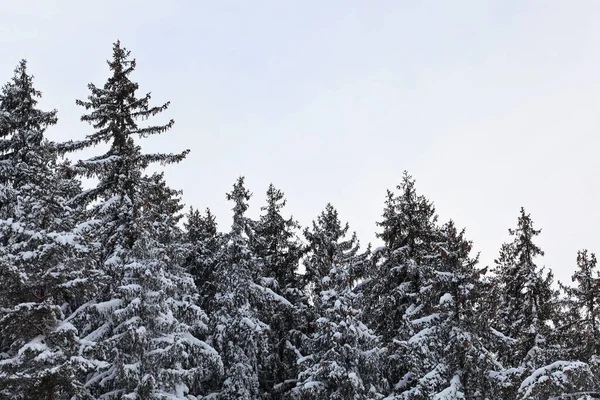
x: 490, y: 105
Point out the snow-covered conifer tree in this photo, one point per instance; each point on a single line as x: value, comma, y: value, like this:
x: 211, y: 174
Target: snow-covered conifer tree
x: 44, y: 269
x: 523, y: 319
x: 144, y: 330
x: 342, y: 357
x: 278, y: 249
x: 396, y: 275
x: 446, y: 349
x: 326, y: 241
x: 578, y: 328
x: 239, y: 334
x: 582, y: 303
x: 204, y: 244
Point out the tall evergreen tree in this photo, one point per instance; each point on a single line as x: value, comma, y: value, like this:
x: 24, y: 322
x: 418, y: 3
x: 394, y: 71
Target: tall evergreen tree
x: 342, y: 356
x: 446, y: 349
x: 276, y: 243
x: 239, y: 333
x: 43, y: 268
x: 326, y: 241
x: 579, y: 328
x: 278, y: 249
x: 582, y: 303
x: 523, y: 320
x: 396, y: 276
x: 204, y: 243
x: 144, y: 330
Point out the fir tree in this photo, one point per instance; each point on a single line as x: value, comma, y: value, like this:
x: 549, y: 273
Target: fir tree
x: 204, y: 244
x: 144, y: 330
x: 342, y: 356
x: 446, y: 349
x: 239, y: 334
x: 579, y: 327
x: 397, y: 273
x: 523, y: 319
x: 277, y: 248
x: 583, y: 304
x: 43, y: 266
x: 325, y: 242
x: 276, y: 243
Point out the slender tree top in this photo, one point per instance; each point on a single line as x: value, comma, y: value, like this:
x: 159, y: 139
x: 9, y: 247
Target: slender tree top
x: 22, y: 125
x: 240, y: 196
x: 116, y: 110
x: 409, y: 219
x: 200, y: 227
x: 114, y: 113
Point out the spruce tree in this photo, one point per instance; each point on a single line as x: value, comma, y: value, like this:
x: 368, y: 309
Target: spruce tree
x: 526, y: 308
x: 583, y: 304
x: 446, y: 348
x: 240, y: 335
x: 579, y: 327
x: 144, y: 330
x: 396, y: 274
x: 204, y: 244
x: 326, y: 241
x: 43, y: 262
x: 277, y: 248
x: 341, y: 355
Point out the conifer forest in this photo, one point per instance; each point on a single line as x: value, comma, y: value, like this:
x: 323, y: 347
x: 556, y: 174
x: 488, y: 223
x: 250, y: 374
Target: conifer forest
x: 117, y: 290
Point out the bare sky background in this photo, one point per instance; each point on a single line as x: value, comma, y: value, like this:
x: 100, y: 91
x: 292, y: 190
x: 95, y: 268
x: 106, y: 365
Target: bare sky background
x: 490, y: 105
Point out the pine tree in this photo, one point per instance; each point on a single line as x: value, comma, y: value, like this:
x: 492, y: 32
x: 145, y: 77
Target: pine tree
x: 579, y: 327
x: 144, y: 330
x: 240, y: 335
x: 277, y: 248
x: 204, y: 244
x: 446, y: 351
x: 325, y: 242
x: 583, y: 304
x: 276, y: 243
x: 526, y: 308
x: 342, y: 355
x: 396, y: 275
x: 44, y: 272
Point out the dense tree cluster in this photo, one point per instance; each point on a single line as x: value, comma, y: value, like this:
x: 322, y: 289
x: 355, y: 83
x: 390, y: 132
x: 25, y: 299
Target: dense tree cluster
x: 111, y: 292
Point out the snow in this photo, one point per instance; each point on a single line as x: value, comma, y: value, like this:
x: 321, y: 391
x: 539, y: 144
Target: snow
x: 65, y: 327
x: 446, y: 298
x: 426, y: 320
x: 452, y: 392
x: 272, y: 294
x: 559, y: 371
x: 36, y: 345
x: 249, y: 323
x: 109, y: 305
x: 502, y: 336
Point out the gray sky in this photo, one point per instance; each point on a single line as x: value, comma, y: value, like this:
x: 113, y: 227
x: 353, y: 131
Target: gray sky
x: 490, y: 105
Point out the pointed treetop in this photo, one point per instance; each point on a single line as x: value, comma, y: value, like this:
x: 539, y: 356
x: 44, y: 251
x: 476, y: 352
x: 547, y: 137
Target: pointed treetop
x: 240, y: 196
x: 115, y: 112
x: 19, y: 116
x: 409, y: 219
x: 329, y: 223
x: 524, y: 235
x: 275, y: 200
x: 200, y: 227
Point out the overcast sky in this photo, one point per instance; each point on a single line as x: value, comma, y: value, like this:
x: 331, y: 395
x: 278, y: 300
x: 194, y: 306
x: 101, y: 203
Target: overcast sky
x: 490, y: 105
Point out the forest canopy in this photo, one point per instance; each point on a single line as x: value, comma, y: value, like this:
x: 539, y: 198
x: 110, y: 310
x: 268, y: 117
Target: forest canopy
x: 119, y: 291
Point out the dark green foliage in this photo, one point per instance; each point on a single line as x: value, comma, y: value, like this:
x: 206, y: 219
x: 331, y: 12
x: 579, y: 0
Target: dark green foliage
x: 278, y: 250
x: 342, y: 357
x: 45, y: 274
x: 103, y: 295
x: 239, y: 334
